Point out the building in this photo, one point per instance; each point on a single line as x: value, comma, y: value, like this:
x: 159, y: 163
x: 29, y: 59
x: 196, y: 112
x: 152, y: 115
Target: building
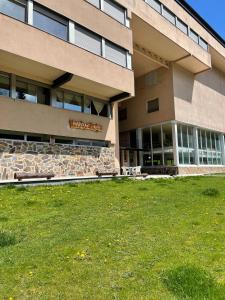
x: 67, y: 68
x: 177, y: 115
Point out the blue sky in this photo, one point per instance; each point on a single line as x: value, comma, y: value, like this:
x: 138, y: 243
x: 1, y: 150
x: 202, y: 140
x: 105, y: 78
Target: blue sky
x: 213, y: 11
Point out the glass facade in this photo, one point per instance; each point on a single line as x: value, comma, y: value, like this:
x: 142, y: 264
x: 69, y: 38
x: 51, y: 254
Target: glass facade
x: 4, y: 85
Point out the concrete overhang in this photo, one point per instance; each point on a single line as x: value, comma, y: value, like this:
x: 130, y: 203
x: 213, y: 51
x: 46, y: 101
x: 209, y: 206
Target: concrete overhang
x: 154, y: 33
x: 34, y: 54
x: 218, y: 60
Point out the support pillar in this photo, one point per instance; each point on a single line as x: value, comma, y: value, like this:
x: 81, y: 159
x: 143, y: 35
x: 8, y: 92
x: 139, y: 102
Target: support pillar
x: 140, y: 145
x: 175, y: 144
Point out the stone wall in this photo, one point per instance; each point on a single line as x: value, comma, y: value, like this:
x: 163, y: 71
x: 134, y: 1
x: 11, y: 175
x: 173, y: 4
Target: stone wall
x: 62, y: 160
x: 201, y: 170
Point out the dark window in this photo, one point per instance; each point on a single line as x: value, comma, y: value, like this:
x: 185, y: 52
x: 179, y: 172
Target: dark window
x: 14, y: 8
x: 38, y: 138
x: 63, y: 141
x: 9, y: 136
x: 153, y: 105
x: 133, y: 139
x: 4, y: 85
x: 50, y: 22
x: 123, y: 114
x: 99, y: 144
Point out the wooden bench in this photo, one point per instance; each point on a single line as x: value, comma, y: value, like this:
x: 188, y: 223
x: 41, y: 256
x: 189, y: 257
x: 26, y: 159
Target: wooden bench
x: 21, y: 176
x: 100, y: 174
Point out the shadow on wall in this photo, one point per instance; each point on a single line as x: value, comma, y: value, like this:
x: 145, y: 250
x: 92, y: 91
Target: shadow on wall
x: 184, y: 82
x: 213, y: 79
x: 190, y: 282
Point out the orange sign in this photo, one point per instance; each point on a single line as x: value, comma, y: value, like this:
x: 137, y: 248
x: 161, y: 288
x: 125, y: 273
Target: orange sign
x: 85, y: 126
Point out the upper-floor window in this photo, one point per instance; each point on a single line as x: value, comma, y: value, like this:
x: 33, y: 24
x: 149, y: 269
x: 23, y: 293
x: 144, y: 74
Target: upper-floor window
x: 14, y: 8
x: 182, y: 26
x: 169, y: 15
x: 115, y: 54
x: 155, y: 4
x: 4, y: 85
x: 153, y: 105
x: 70, y: 101
x: 193, y: 36
x: 50, y: 22
x: 115, y: 10
x: 88, y: 40
x: 30, y: 92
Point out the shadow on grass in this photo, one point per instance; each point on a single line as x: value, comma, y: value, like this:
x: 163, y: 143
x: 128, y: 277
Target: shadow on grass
x: 7, y: 239
x: 190, y: 282
x: 211, y: 192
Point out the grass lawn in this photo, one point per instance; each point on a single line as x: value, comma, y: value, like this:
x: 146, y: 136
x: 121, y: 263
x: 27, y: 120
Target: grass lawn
x: 162, y: 239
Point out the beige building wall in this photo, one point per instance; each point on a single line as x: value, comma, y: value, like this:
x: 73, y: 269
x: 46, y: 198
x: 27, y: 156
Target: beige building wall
x: 157, y: 84
x: 200, y: 99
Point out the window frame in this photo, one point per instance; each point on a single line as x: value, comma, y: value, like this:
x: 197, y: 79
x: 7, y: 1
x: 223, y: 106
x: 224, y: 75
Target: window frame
x: 152, y: 100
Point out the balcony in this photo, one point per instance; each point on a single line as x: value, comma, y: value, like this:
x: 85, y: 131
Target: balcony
x: 32, y: 53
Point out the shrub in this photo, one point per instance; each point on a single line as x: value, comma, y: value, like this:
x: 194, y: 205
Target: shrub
x: 7, y: 239
x: 211, y: 192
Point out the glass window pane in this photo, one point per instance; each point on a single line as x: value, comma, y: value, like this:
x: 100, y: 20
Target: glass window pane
x: 115, y: 53
x: 155, y: 4
x: 182, y: 26
x: 194, y: 36
x: 4, y: 85
x: 43, y: 96
x: 157, y: 159
x: 184, y: 136
x: 203, y: 44
x: 190, y: 137
x: 95, y: 2
x: 114, y: 10
x: 153, y: 105
x: 169, y: 15
x: 50, y: 25
x: 179, y: 133
x: 15, y: 9
x: 26, y: 91
x: 88, y: 40
x: 73, y: 101
x: 186, y: 157
x: 87, y: 105
x: 167, y: 136
x: 156, y: 137
x: 146, y: 138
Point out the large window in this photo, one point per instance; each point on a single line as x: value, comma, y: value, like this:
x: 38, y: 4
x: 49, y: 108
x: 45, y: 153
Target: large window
x: 4, y: 85
x: 50, y: 22
x: 14, y: 8
x: 210, y: 148
x: 155, y: 4
x: 169, y: 15
x: 115, y: 54
x: 186, y: 144
x: 115, y: 10
x: 153, y: 105
x: 88, y: 40
x: 30, y: 92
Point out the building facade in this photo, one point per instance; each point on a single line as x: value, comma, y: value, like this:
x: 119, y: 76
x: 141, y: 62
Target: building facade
x: 67, y: 69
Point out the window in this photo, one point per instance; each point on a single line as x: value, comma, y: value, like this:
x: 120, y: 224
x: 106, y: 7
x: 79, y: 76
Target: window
x: 115, y: 54
x: 153, y: 105
x: 26, y: 91
x: 123, y: 114
x: 14, y: 8
x: 155, y: 4
x: 186, y: 144
x: 72, y: 101
x: 193, y: 36
x: 11, y: 136
x: 182, y: 26
x: 50, y: 22
x: 4, y: 85
x: 95, y: 3
x: 169, y: 15
x: 203, y: 44
x: 95, y: 106
x: 115, y: 10
x: 38, y: 138
x: 88, y: 40
x: 32, y: 93
x: 61, y: 140
x: 68, y: 100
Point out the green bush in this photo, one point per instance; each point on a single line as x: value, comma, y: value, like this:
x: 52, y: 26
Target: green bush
x: 7, y: 239
x: 211, y: 192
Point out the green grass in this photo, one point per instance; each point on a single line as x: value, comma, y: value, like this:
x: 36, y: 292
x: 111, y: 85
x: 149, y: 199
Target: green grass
x: 121, y: 239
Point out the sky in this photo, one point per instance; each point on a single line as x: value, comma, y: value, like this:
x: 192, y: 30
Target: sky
x: 213, y: 11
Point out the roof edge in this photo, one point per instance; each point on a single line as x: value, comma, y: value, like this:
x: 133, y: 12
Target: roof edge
x: 189, y: 9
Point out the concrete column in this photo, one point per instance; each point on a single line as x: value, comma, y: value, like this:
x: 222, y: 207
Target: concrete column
x: 222, y: 147
x: 140, y: 144
x: 103, y: 47
x: 175, y: 144
x: 195, y: 135
x: 117, y: 145
x: 30, y: 10
x: 162, y: 145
